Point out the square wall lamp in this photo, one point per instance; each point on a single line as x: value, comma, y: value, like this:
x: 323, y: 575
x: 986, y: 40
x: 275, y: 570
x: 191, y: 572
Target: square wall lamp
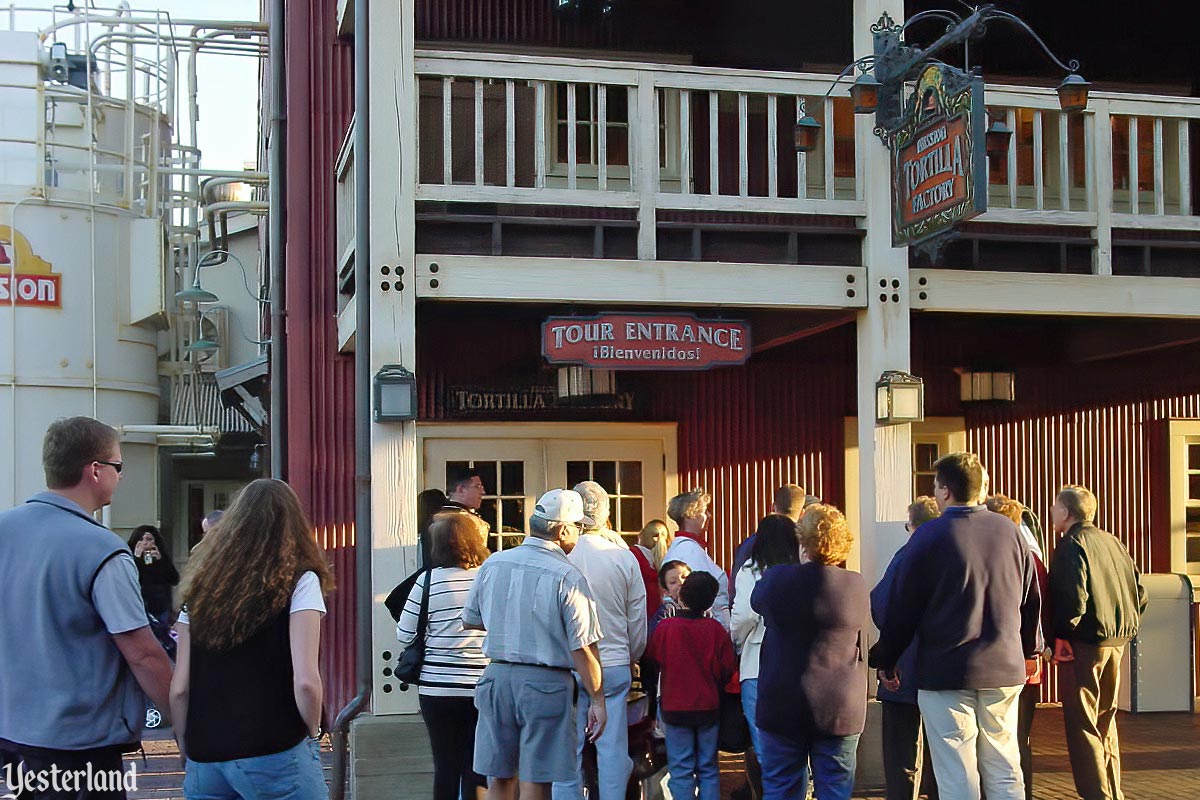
x: 395, y: 394
x: 899, y: 398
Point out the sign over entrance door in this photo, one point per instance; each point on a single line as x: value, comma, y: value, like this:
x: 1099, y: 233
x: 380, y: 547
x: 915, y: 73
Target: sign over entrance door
x: 518, y: 462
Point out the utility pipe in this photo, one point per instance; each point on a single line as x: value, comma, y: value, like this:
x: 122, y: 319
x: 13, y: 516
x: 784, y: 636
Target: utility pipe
x: 362, y: 397
x: 276, y: 153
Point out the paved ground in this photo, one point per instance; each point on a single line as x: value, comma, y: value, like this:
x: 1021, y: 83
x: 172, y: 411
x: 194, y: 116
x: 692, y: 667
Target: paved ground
x: 1160, y: 752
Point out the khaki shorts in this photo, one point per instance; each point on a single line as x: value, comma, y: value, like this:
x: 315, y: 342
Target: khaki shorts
x: 526, y: 723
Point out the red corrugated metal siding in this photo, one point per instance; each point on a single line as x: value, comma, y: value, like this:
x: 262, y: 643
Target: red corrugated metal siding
x: 320, y: 382
x: 1101, y: 425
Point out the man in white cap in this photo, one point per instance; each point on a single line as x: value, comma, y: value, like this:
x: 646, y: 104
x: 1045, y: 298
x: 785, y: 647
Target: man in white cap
x: 541, y: 623
x: 615, y: 579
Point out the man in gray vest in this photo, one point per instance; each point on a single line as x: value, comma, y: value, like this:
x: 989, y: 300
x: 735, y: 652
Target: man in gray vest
x: 78, y: 650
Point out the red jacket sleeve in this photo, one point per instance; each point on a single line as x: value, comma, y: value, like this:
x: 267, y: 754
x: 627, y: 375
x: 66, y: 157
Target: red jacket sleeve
x: 655, y: 645
x: 725, y: 663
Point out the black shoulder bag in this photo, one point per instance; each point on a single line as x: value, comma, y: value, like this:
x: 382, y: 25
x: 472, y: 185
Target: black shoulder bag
x: 408, y: 666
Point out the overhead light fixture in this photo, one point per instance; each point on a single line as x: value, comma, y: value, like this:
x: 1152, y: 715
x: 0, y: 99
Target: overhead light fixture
x: 807, y: 132
x: 197, y: 293
x: 865, y: 93
x: 977, y: 387
x: 202, y: 345
x: 395, y: 394
x: 578, y: 382
x: 1073, y: 93
x: 997, y: 137
x: 899, y: 398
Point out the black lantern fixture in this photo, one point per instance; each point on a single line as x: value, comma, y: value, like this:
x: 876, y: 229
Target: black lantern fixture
x: 1073, y: 93
x: 899, y: 398
x: 865, y: 93
x: 807, y: 132
x: 395, y: 394
x: 997, y: 137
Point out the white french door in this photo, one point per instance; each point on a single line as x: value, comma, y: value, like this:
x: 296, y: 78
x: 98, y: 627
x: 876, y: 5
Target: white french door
x: 519, y: 461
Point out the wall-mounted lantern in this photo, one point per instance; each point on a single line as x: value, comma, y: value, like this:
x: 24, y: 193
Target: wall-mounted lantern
x: 982, y: 386
x: 395, y: 394
x: 899, y: 398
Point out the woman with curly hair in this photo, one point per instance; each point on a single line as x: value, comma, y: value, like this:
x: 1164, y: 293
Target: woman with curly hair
x: 812, y: 692
x: 246, y: 694
x: 454, y: 659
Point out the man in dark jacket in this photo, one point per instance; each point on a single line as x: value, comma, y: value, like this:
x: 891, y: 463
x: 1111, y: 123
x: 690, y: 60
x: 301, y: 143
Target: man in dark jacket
x: 1098, y: 605
x: 968, y: 589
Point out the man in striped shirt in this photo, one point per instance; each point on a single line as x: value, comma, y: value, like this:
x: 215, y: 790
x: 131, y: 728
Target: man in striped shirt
x: 541, y: 623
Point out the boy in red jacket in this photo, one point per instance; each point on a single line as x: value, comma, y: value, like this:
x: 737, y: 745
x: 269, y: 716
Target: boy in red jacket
x: 695, y: 657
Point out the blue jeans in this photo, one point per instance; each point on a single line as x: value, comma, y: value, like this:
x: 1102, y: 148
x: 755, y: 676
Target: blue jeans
x: 692, y: 762
x: 749, y: 706
x: 613, y: 764
x: 294, y: 774
x: 833, y: 759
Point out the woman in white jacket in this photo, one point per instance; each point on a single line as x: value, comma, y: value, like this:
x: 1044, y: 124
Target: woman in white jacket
x: 774, y: 543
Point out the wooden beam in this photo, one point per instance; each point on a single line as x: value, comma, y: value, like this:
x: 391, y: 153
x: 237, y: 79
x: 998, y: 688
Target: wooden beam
x: 674, y: 283
x: 977, y: 292
x: 805, y: 332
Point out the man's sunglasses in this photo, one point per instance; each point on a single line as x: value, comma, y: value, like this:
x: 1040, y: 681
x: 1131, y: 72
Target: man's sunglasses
x: 117, y: 465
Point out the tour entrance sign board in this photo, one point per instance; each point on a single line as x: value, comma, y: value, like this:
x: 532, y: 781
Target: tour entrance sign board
x: 645, y: 341
x: 939, y: 166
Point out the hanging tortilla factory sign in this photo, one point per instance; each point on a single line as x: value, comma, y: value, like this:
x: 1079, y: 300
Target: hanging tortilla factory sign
x: 939, y: 167
x: 645, y: 341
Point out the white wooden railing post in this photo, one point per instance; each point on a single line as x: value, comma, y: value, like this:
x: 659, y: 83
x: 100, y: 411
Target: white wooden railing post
x: 1185, y: 169
x: 646, y: 165
x: 1101, y: 172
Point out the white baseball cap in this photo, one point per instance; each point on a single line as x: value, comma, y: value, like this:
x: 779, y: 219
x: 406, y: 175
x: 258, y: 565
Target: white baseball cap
x: 561, y: 505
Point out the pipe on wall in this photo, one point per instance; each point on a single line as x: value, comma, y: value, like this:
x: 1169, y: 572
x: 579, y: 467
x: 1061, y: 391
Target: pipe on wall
x: 276, y: 153
x: 362, y: 402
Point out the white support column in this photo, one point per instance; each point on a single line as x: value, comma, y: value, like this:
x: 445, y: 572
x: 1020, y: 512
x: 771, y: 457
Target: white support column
x: 1100, y: 170
x: 646, y: 165
x: 884, y: 454
x: 395, y: 481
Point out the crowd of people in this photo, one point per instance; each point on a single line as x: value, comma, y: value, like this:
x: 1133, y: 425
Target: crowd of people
x: 528, y: 657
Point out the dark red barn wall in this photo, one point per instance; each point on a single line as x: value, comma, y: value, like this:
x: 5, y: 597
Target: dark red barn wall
x: 320, y: 395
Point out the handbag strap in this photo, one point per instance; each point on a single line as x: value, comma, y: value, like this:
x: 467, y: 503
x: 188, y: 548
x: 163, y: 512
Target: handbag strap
x: 423, y: 618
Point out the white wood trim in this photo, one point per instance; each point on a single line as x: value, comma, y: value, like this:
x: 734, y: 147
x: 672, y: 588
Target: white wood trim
x: 478, y: 132
x: 743, y: 145
x: 1100, y: 182
x: 643, y: 282
x: 1064, y: 162
x: 1169, y: 222
x: 1160, y: 199
x: 447, y: 131
x: 602, y: 137
x: 827, y: 139
x: 526, y: 194
x: 572, y: 139
x: 968, y: 292
x: 1185, y: 169
x: 539, y: 135
x: 1178, y: 434
x: 714, y: 144
x: 510, y: 133
x: 1011, y: 163
x: 522, y: 68
x: 1134, y: 191
x: 646, y: 183
x: 346, y: 325
x: 1031, y: 217
x: 685, y: 142
x: 701, y: 202
x: 1039, y: 176
x: 772, y: 146
x: 801, y: 159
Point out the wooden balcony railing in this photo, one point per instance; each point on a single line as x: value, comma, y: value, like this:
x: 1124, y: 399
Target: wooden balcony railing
x: 554, y: 131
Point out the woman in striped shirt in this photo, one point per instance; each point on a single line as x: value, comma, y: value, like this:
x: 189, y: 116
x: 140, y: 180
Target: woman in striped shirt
x: 454, y: 658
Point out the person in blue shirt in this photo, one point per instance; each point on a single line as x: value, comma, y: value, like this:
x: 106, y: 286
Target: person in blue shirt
x: 905, y: 754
